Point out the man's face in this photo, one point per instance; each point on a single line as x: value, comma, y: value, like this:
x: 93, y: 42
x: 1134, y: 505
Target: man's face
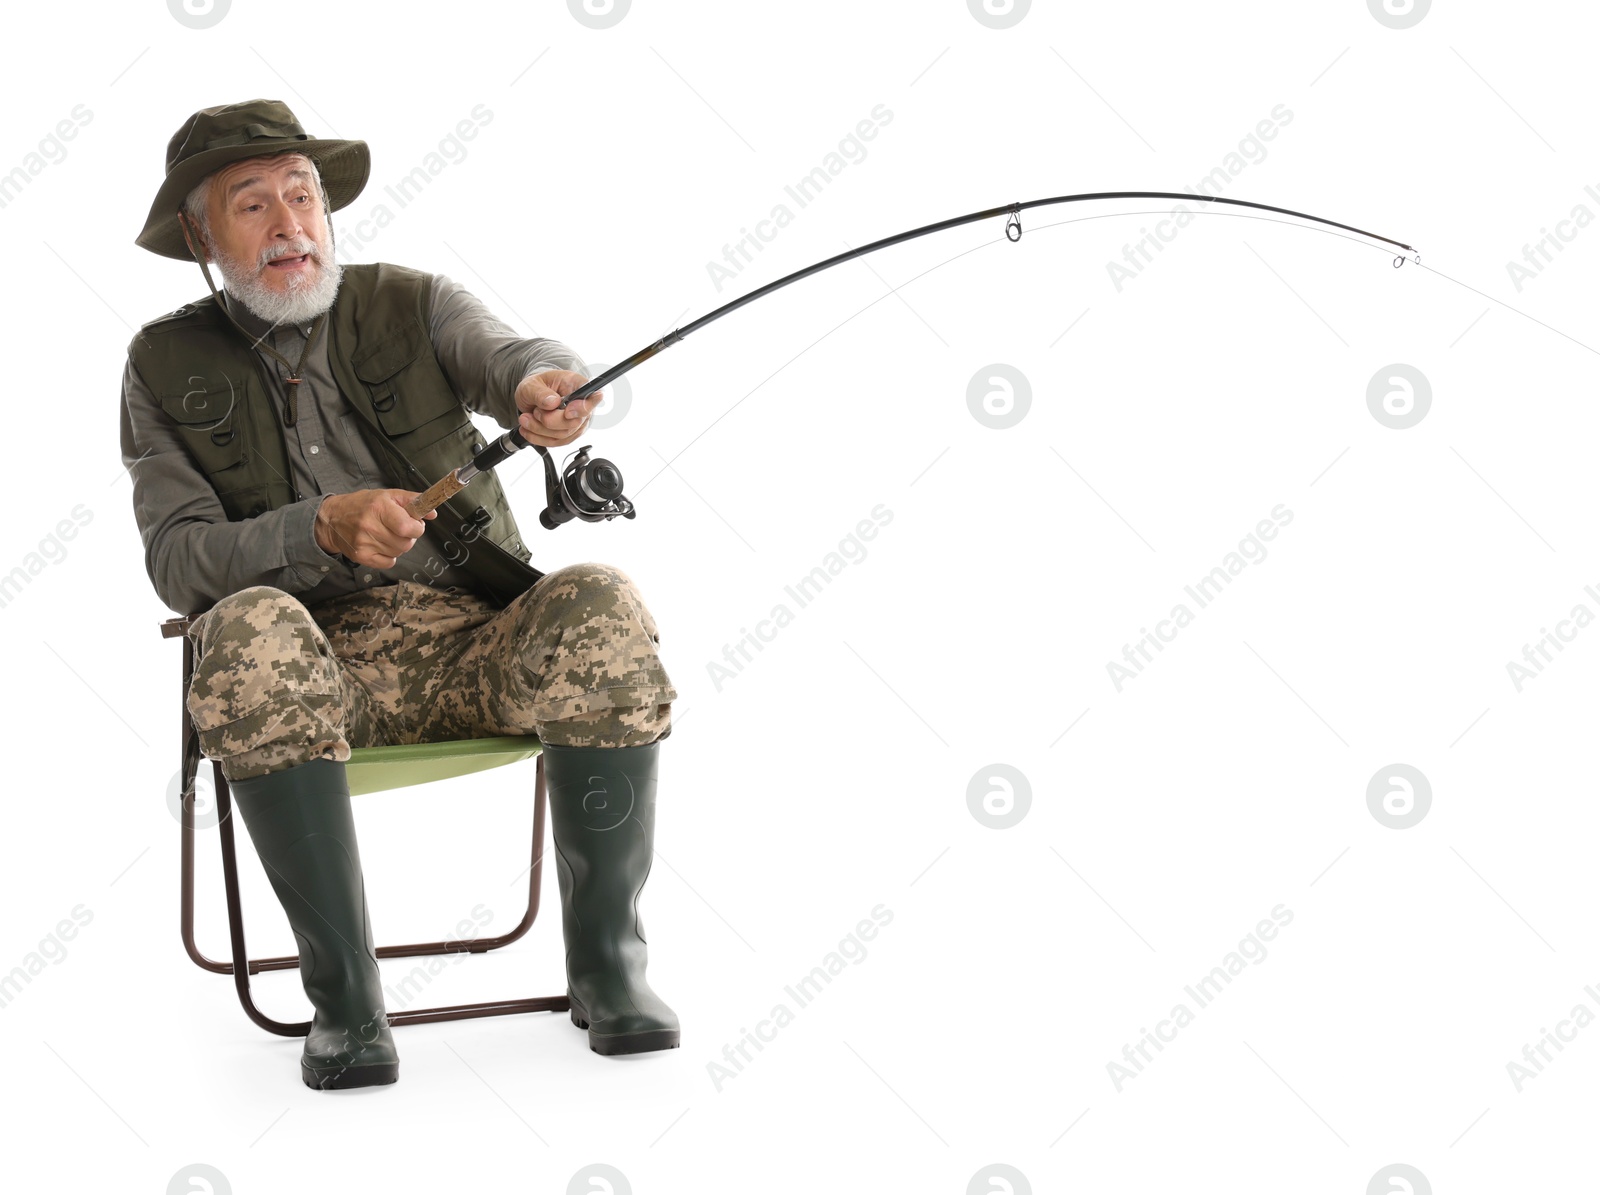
x: 271, y: 237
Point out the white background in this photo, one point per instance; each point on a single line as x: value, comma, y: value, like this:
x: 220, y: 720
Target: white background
x: 831, y: 775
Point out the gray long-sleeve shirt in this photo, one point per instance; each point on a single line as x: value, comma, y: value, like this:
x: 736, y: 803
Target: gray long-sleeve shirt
x: 196, y: 556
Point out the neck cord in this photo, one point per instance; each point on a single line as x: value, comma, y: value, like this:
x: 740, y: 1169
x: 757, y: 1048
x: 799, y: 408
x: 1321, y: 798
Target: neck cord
x: 289, y: 407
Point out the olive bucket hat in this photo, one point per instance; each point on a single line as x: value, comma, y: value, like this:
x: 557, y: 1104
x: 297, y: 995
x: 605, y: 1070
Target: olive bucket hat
x: 214, y: 137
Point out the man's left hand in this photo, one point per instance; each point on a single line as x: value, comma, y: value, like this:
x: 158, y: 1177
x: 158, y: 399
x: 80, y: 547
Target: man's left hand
x: 541, y: 420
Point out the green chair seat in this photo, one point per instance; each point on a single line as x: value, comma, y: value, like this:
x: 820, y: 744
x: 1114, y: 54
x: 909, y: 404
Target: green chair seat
x: 375, y: 769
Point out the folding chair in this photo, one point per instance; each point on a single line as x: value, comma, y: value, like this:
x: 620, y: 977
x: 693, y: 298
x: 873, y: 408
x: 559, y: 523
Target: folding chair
x: 369, y: 770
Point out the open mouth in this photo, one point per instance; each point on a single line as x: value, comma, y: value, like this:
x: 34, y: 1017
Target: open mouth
x: 290, y: 263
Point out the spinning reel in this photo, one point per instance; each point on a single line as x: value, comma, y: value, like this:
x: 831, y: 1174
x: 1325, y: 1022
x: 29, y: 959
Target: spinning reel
x: 586, y: 489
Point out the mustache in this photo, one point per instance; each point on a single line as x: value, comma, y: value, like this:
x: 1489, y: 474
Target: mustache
x: 301, y: 247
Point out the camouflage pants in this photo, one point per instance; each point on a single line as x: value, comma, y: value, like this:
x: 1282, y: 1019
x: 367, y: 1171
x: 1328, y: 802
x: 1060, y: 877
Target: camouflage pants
x: 572, y: 660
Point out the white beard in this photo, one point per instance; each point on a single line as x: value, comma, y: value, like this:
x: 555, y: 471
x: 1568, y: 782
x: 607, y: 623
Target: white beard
x: 306, y: 297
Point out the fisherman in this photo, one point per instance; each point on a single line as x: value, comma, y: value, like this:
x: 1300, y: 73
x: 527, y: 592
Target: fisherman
x: 275, y: 434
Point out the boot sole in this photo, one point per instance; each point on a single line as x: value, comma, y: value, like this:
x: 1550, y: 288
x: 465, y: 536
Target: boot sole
x: 342, y: 1077
x: 627, y: 1043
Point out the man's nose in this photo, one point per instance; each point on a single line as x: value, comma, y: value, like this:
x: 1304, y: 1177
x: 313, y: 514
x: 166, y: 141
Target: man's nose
x: 285, y: 221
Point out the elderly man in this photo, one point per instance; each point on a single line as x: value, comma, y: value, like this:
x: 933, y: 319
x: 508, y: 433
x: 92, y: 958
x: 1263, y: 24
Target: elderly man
x: 275, y: 434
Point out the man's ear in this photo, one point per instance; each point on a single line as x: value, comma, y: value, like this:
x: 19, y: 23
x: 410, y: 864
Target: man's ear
x: 200, y: 255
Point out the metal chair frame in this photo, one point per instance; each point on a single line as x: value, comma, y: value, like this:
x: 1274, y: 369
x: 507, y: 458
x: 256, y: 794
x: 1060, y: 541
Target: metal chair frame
x: 243, y: 966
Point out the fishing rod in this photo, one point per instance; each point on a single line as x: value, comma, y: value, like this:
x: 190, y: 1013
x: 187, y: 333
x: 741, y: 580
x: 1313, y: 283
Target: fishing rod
x: 591, y: 490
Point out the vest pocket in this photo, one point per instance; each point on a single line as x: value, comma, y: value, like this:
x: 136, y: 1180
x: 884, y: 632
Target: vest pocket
x: 415, y: 414
x: 248, y: 502
x: 410, y: 399
x: 210, y: 420
x: 215, y: 422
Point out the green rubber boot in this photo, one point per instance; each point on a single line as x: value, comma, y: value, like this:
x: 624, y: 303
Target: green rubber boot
x: 602, y: 816
x: 300, y: 822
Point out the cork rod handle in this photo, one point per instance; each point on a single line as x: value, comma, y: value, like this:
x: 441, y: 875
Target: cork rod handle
x: 445, y: 488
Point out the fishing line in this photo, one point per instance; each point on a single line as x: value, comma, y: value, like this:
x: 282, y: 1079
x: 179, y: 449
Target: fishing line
x: 1235, y: 216
x: 1509, y: 307
x: 1417, y: 258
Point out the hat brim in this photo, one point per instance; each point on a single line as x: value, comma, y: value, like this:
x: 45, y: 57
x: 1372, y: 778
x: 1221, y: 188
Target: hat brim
x: 344, y: 166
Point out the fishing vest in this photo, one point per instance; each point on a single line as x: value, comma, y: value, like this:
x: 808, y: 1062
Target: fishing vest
x: 217, y: 390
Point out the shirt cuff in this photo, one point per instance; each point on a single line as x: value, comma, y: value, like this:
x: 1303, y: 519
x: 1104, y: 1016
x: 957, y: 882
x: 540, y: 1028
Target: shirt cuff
x: 300, y: 538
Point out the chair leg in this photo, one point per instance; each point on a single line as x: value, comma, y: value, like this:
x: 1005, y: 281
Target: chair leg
x: 291, y: 962
x: 241, y: 957
x: 188, y: 773
x: 535, y: 870
x: 242, y: 966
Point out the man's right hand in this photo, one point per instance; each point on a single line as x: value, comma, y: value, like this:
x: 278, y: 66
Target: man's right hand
x: 371, y: 527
